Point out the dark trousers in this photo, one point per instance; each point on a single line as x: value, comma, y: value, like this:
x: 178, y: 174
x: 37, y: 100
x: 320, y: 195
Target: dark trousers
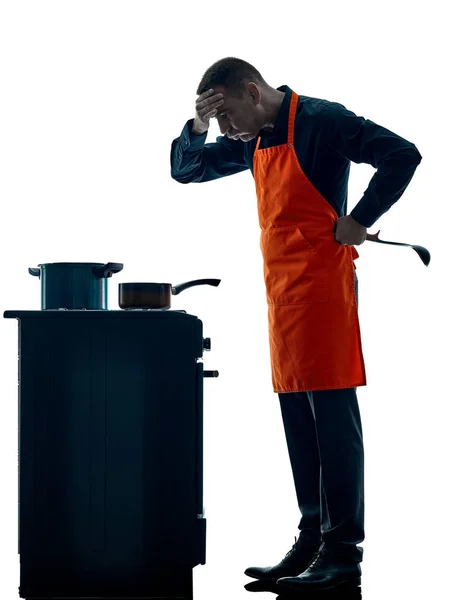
x: 325, y: 444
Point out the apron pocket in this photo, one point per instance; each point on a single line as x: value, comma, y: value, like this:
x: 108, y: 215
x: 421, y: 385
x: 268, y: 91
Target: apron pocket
x: 294, y: 272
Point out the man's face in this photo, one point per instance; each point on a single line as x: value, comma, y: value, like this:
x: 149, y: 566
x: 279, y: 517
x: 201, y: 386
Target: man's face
x: 239, y: 118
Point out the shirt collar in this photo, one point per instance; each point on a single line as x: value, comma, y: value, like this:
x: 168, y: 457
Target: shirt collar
x: 281, y: 122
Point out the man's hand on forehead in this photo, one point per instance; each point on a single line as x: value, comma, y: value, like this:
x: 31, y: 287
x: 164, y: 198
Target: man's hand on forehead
x: 205, y: 108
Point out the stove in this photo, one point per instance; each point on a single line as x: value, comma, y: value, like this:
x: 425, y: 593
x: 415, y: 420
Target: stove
x: 110, y: 452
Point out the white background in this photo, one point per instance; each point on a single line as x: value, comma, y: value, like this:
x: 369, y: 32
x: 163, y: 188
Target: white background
x: 93, y: 93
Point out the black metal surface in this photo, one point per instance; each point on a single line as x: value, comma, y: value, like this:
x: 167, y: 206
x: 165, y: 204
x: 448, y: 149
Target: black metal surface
x: 107, y: 315
x: 75, y: 285
x: 110, y: 453
x: 144, y: 295
x: 155, y: 295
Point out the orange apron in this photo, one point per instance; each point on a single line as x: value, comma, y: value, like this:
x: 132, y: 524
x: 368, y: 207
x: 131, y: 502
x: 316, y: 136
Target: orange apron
x: 313, y: 324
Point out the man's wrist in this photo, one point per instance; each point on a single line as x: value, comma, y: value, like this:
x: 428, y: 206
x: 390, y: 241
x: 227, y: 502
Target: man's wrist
x: 356, y: 222
x: 197, y: 129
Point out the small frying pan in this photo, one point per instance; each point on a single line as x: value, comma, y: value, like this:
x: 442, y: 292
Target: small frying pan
x: 422, y: 252
x: 155, y: 295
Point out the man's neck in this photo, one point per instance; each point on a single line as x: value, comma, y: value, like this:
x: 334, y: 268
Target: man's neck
x: 274, y: 102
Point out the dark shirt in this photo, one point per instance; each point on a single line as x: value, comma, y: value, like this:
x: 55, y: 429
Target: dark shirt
x: 328, y: 137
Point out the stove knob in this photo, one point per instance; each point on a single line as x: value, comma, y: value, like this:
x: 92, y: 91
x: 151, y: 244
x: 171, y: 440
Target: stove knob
x: 206, y: 343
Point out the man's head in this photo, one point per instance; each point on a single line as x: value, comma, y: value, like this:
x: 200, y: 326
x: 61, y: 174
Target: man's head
x: 250, y: 104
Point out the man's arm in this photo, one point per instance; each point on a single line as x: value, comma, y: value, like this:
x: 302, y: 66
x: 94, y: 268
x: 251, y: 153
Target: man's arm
x: 363, y: 141
x: 192, y: 160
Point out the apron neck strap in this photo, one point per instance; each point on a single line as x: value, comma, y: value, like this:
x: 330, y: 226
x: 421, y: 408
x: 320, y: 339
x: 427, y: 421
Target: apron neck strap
x: 291, y: 117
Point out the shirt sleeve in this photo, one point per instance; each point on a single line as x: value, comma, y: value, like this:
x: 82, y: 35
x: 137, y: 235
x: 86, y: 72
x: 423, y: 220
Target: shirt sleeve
x: 192, y: 160
x: 363, y: 141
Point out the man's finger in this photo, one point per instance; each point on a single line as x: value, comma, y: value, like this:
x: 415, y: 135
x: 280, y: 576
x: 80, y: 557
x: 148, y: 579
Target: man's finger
x: 205, y: 94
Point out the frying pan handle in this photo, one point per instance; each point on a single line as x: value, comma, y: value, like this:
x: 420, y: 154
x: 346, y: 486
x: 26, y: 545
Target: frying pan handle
x: 177, y: 289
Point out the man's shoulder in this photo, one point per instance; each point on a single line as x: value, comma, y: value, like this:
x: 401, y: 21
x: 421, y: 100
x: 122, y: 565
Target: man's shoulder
x: 320, y: 114
x: 310, y: 105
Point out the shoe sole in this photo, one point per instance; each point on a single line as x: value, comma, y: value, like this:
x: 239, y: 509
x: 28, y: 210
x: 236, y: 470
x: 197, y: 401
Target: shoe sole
x: 270, y: 579
x: 348, y: 582
x: 274, y: 579
x: 262, y: 578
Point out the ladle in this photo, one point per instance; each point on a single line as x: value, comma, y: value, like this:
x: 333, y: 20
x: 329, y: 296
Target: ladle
x: 422, y: 252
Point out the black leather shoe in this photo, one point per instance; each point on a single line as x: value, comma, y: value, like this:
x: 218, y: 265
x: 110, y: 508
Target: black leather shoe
x: 295, y: 561
x: 328, y: 569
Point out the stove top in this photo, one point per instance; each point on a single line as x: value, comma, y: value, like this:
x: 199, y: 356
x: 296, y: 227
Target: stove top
x: 63, y: 313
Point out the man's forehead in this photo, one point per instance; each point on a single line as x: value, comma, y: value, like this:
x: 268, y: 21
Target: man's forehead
x: 229, y: 101
x: 219, y: 89
x: 223, y: 108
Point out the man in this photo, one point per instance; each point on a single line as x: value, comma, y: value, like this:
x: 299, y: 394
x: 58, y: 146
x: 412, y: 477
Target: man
x: 298, y: 149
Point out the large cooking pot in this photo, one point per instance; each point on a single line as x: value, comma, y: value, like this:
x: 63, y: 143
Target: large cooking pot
x: 75, y: 285
x: 155, y: 295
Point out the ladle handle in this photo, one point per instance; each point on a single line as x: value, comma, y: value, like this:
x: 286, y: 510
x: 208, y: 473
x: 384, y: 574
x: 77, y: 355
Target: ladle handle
x: 374, y: 237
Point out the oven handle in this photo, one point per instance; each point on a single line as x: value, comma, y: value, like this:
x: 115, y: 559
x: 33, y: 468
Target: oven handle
x: 210, y: 373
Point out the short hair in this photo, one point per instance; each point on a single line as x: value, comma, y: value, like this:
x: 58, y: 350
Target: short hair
x: 232, y: 73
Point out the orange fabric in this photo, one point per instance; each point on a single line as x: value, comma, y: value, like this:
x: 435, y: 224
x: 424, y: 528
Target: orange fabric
x: 313, y: 324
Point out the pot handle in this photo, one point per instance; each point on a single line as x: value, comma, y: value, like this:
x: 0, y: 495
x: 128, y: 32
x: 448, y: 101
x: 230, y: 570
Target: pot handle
x: 107, y: 270
x: 35, y: 271
x: 183, y: 286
